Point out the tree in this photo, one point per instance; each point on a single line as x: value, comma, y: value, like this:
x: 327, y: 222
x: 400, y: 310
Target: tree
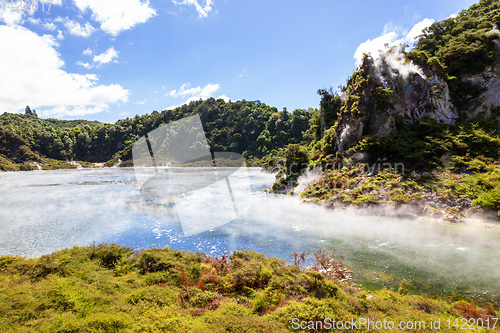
x: 330, y: 107
x: 296, y: 158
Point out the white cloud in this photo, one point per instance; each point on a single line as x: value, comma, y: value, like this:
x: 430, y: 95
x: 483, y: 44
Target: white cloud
x: 84, y: 64
x: 374, y: 46
x: 106, y: 57
x: 11, y: 17
x: 205, y: 93
x: 50, y: 26
x: 47, y: 25
x: 76, y: 29
x: 242, y: 73
x: 110, y: 55
x: 185, y: 90
x: 195, y: 93
x: 417, y: 30
x: 224, y: 97
x: 116, y: 16
x: 144, y: 101
x: 35, y: 77
x: 202, y: 10
x: 34, y: 21
x: 389, y: 39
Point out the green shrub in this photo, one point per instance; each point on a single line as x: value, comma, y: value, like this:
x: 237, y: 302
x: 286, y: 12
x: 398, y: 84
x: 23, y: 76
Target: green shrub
x: 109, y: 255
x: 155, y: 294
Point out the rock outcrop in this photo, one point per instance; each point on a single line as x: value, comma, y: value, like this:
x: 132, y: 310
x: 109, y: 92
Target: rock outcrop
x: 390, y: 86
x: 489, y: 79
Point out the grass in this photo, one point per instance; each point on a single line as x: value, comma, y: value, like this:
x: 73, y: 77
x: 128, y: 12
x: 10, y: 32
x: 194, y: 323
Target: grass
x: 109, y: 288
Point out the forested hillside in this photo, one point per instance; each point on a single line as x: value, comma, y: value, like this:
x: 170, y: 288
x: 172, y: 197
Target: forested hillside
x: 432, y: 109
x: 252, y: 128
x: 446, y: 79
x: 417, y: 127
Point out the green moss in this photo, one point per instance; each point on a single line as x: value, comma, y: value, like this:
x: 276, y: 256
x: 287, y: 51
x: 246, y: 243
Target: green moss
x: 369, y: 198
x: 398, y: 196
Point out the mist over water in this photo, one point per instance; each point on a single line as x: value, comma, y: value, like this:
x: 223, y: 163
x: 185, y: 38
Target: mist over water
x: 44, y: 211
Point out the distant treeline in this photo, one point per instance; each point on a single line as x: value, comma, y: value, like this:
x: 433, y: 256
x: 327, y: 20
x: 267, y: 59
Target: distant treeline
x: 250, y: 128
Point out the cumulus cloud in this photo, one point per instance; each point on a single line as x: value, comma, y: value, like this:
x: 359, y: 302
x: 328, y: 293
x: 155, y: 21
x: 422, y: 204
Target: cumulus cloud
x: 185, y: 90
x: 224, y: 97
x: 34, y: 76
x: 106, y: 57
x: 77, y: 29
x: 60, y: 35
x: 11, y: 17
x: 84, y: 64
x: 50, y: 26
x: 202, y: 10
x: 417, y: 29
x: 116, y: 16
x: 195, y: 93
x: 389, y: 39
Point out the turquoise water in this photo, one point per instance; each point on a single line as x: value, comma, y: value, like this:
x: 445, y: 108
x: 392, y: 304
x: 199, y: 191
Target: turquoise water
x: 43, y: 211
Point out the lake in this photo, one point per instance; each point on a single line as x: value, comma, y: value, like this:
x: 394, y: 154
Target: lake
x: 44, y: 211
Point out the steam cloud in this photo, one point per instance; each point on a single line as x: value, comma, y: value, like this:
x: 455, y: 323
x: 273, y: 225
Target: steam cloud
x: 388, y: 50
x: 44, y: 211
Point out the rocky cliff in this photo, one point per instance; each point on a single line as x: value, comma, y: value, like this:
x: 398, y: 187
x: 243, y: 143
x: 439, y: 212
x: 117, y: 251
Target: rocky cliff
x: 389, y: 85
x: 489, y: 80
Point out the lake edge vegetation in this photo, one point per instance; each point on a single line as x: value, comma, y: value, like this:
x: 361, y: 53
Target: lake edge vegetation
x: 110, y: 288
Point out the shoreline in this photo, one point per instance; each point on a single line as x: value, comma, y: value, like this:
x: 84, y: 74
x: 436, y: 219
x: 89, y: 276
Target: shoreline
x: 80, y: 289
x: 440, y: 196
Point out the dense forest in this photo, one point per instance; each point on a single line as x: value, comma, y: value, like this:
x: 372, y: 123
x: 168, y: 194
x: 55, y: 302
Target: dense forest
x: 250, y: 128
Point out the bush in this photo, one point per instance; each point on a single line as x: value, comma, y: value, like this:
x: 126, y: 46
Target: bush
x: 109, y: 255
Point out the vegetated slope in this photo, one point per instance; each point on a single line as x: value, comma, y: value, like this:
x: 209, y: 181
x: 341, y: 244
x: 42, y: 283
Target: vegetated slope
x: 251, y: 128
x: 429, y: 117
x: 108, y: 288
x: 443, y: 79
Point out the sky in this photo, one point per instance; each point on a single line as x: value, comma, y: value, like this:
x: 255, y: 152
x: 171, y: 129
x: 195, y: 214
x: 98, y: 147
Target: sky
x: 112, y: 59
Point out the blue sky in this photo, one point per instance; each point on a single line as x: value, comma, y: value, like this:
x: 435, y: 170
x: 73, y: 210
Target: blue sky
x: 110, y: 59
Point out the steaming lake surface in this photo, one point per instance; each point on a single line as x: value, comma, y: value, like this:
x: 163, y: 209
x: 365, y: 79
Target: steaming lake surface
x: 44, y: 211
